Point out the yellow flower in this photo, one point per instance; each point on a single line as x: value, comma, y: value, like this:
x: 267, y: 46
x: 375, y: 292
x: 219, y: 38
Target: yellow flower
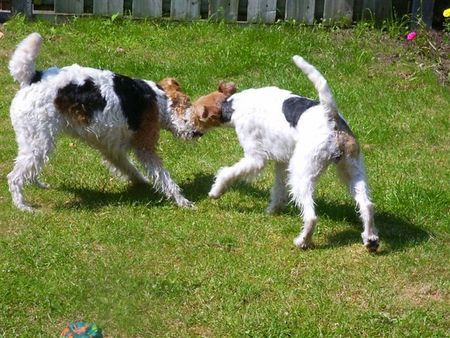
x: 447, y: 13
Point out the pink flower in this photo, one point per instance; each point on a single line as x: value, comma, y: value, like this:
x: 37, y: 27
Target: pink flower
x: 411, y: 36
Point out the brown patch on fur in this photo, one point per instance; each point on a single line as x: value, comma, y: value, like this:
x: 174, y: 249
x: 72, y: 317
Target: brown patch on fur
x: 74, y: 112
x: 79, y: 102
x: 146, y: 137
x: 348, y: 145
x: 180, y: 101
x: 208, y: 109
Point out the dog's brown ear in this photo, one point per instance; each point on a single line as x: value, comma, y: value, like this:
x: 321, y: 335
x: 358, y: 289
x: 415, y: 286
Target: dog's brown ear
x: 207, y: 113
x: 227, y: 88
x: 169, y: 83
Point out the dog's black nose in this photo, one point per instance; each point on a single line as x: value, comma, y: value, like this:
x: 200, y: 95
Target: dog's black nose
x: 197, y: 134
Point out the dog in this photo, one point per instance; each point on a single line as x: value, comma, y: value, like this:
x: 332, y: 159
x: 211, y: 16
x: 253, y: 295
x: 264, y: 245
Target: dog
x: 303, y: 136
x: 112, y: 113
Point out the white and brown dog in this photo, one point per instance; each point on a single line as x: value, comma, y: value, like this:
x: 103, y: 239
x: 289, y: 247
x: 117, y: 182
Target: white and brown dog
x: 301, y: 135
x: 112, y: 113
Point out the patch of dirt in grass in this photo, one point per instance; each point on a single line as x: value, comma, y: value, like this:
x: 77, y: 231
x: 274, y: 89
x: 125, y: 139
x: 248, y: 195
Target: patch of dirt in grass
x: 440, y: 48
x: 423, y: 294
x: 201, y: 330
x: 431, y: 50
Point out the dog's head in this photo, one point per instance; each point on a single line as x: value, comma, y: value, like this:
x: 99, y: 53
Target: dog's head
x: 207, y: 110
x: 179, y: 120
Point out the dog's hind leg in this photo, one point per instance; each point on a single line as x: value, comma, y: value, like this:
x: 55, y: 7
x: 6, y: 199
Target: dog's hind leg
x: 161, y: 178
x: 305, y: 168
x: 247, y: 167
x: 278, y: 194
x: 352, y: 173
x: 33, y: 153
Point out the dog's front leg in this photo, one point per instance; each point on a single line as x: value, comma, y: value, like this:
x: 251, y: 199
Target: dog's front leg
x: 279, y: 194
x: 161, y: 178
x: 245, y: 168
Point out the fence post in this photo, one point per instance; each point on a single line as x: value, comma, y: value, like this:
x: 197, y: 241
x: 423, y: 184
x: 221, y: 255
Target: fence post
x: 337, y: 10
x: 185, y: 10
x: 22, y: 6
x: 262, y: 11
x: 302, y: 10
x: 423, y: 9
x: 72, y: 7
x: 108, y: 7
x: 224, y: 10
x: 147, y: 8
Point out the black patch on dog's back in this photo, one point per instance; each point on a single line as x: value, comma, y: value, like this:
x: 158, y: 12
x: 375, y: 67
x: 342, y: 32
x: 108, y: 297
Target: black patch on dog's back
x: 227, y: 111
x: 295, y: 106
x: 80, y: 101
x: 36, y: 77
x: 135, y: 97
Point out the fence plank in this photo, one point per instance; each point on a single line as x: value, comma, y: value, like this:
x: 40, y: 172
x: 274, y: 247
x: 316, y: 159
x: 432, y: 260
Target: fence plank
x: 373, y: 9
x: 338, y: 10
x: 108, y: 7
x: 224, y: 9
x: 232, y: 10
x: 262, y: 11
x: 301, y: 10
x: 422, y: 9
x: 185, y: 9
x: 147, y: 8
x: 384, y: 10
x: 22, y: 6
x: 69, y: 6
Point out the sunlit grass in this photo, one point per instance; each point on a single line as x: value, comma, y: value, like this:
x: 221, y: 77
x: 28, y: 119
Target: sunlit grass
x: 138, y: 266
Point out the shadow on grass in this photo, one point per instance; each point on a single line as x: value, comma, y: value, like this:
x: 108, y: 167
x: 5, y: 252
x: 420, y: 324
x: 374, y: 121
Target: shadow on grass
x: 92, y: 199
x: 396, y: 233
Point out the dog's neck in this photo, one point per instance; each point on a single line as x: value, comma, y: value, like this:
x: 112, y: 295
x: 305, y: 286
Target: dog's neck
x: 226, y: 111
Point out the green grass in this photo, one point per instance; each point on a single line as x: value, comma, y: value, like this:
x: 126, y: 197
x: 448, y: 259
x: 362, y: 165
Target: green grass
x: 138, y: 266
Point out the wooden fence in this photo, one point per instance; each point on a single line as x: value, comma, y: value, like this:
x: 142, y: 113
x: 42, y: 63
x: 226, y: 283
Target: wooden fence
x: 263, y: 11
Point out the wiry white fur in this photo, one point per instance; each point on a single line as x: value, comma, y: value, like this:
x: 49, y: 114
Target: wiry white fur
x: 22, y: 64
x: 37, y: 123
x: 301, y: 154
x: 320, y: 83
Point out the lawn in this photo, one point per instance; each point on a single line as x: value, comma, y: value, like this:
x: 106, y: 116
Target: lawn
x: 138, y: 266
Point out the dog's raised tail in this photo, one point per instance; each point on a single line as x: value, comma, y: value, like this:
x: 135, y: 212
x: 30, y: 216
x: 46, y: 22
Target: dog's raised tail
x: 320, y: 83
x: 22, y: 65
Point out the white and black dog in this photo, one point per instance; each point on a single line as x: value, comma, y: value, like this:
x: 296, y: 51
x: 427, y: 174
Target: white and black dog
x: 112, y: 113
x: 301, y: 135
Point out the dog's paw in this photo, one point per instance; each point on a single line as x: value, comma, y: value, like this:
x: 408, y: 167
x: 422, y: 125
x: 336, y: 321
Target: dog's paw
x: 185, y: 203
x: 302, y: 242
x: 371, y: 243
x: 42, y: 185
x: 26, y: 208
x: 215, y: 193
x: 275, y: 208
x: 271, y: 210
